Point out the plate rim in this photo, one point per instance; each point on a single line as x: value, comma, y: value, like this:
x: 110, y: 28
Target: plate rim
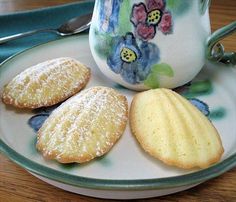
x: 110, y: 184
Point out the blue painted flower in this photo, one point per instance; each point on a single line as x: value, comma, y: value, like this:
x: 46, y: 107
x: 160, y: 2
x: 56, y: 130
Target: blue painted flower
x: 195, y: 88
x: 202, y: 106
x: 37, y: 121
x: 131, y: 61
x: 43, y: 113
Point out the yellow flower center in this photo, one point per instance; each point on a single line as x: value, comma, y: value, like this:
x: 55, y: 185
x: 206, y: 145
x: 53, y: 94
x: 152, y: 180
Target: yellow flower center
x: 128, y: 55
x: 154, y: 17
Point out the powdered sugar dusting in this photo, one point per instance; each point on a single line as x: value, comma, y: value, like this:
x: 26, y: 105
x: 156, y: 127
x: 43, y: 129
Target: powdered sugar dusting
x: 46, y: 83
x: 85, y: 126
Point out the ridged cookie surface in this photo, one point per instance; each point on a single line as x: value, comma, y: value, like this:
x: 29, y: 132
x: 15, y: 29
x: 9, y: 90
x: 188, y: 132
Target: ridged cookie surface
x: 84, y: 127
x: 46, y: 83
x: 170, y: 128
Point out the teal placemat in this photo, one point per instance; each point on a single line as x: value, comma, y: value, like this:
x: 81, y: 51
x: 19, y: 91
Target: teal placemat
x: 37, y: 19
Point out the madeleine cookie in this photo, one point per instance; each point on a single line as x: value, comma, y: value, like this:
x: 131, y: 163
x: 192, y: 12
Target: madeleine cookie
x: 170, y: 128
x: 46, y: 84
x: 84, y: 127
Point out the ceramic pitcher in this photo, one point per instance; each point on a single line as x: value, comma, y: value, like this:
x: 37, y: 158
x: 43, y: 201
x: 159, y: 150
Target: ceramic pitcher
x: 143, y: 44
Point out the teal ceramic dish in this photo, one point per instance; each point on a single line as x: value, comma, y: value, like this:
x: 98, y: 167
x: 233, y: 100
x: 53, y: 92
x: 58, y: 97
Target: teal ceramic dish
x: 126, y: 172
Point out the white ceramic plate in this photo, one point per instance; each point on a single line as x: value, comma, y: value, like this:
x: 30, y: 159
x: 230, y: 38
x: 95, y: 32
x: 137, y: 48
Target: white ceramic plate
x: 126, y: 171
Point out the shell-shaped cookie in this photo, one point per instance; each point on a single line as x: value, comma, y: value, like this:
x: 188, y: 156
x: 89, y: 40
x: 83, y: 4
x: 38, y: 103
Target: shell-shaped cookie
x: 170, y: 128
x: 84, y: 127
x: 46, y: 84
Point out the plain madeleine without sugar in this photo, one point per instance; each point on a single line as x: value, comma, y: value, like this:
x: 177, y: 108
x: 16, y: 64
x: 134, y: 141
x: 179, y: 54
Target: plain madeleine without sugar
x: 171, y: 129
x: 84, y: 127
x: 46, y: 83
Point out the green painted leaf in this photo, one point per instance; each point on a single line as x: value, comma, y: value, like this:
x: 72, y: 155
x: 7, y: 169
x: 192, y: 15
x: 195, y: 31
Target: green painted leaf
x: 152, y: 81
x: 204, y: 86
x: 217, y: 114
x: 157, y: 70
x: 124, y: 18
x: 103, y: 44
x: 163, y: 69
x: 179, y: 7
x: 197, y: 88
x: 171, y: 3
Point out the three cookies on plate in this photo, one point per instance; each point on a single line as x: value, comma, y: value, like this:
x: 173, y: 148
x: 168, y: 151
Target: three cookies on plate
x: 88, y: 124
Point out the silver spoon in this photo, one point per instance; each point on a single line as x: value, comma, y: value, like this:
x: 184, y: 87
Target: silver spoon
x: 73, y: 26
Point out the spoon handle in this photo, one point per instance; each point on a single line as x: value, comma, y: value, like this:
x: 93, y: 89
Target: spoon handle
x: 20, y: 35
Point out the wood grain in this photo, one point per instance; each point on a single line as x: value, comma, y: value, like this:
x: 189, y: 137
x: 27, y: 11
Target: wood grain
x: 18, y: 185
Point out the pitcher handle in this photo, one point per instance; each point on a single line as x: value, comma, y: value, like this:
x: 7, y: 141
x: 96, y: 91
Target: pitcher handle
x: 215, y: 51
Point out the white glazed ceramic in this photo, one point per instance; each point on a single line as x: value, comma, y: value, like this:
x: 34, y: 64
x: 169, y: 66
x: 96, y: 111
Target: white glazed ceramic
x: 126, y: 172
x: 140, y: 51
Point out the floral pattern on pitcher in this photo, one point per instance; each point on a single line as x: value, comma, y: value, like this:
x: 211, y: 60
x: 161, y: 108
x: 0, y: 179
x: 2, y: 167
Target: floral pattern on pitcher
x: 147, y: 18
x: 131, y: 54
x: 132, y: 61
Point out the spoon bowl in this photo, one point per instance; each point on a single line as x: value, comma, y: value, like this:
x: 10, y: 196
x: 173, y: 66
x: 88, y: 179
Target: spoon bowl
x: 75, y: 25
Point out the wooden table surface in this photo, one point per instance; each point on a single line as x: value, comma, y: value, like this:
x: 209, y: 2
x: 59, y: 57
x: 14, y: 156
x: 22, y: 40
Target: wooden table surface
x: 18, y: 185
